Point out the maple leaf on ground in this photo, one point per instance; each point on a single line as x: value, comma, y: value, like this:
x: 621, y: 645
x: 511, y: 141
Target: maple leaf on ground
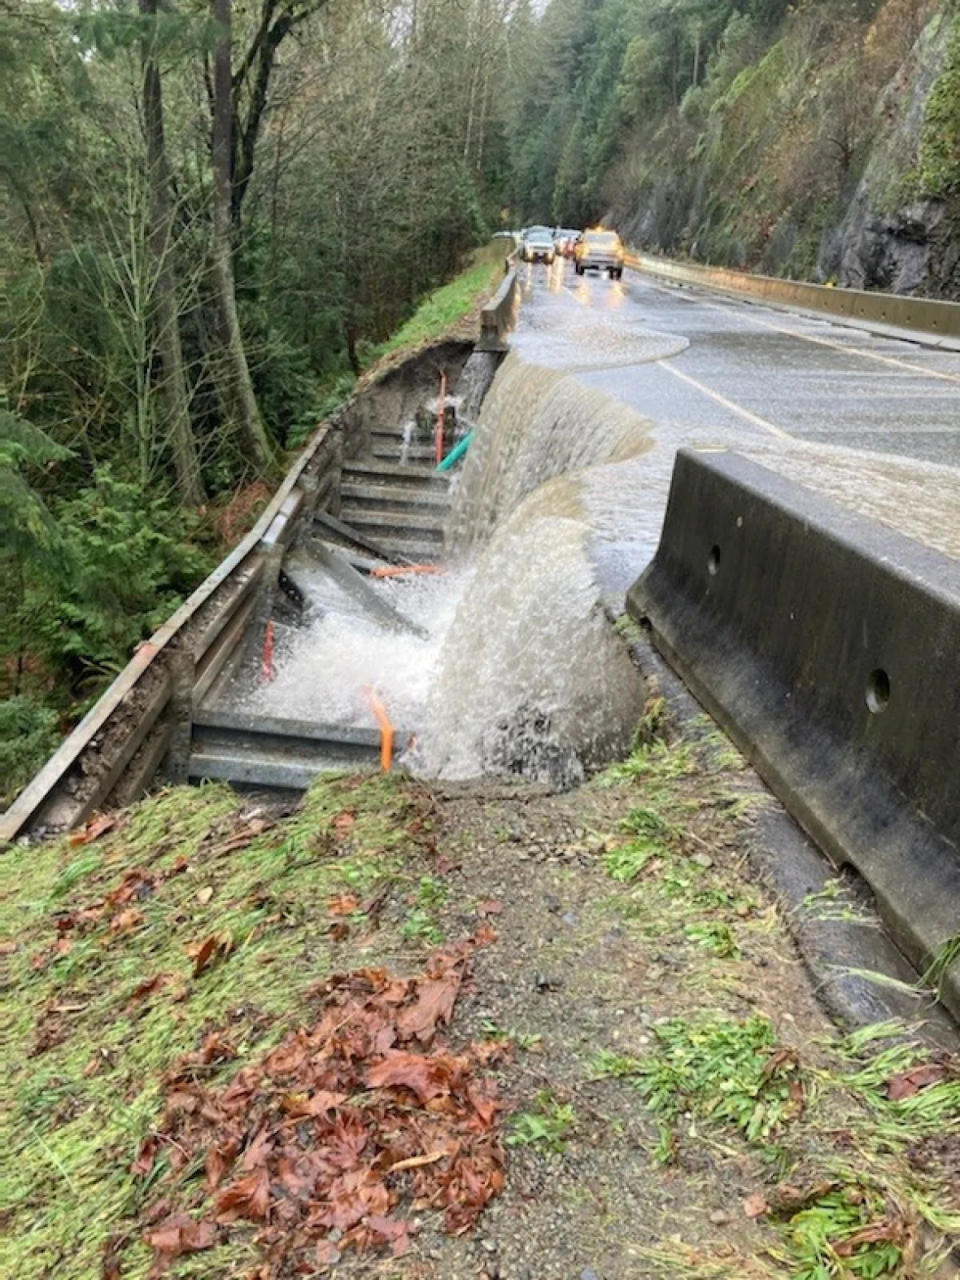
x: 214, y: 948
x: 756, y: 1206
x: 351, y: 1198
x: 315, y: 1104
x: 906, y: 1083
x: 145, y: 1157
x: 258, y: 1151
x: 95, y: 828
x: 248, y: 1197
x: 434, y: 1004
x: 145, y: 988
x: 126, y: 921
x: 178, y: 1235
x: 427, y: 1077
x: 388, y: 1231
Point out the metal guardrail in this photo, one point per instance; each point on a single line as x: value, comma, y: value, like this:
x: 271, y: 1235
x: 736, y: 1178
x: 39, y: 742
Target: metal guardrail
x: 927, y: 315
x: 143, y: 720
x: 144, y: 716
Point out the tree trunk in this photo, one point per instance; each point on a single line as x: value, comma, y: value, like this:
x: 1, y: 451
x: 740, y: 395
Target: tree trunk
x: 166, y: 315
x: 232, y: 373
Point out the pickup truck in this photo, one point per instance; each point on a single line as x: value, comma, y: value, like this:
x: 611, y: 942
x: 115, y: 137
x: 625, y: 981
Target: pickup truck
x: 599, y: 251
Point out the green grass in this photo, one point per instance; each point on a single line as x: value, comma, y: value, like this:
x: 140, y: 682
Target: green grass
x: 548, y: 1126
x: 853, y: 1196
x: 441, y: 310
x: 83, y: 1054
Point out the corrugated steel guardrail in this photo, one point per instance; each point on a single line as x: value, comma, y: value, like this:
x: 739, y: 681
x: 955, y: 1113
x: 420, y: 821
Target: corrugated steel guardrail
x: 117, y: 747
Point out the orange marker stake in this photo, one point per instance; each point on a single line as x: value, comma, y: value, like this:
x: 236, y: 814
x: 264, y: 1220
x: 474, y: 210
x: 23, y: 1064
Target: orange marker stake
x: 399, y: 570
x: 441, y: 415
x: 267, y: 669
x: 386, y: 729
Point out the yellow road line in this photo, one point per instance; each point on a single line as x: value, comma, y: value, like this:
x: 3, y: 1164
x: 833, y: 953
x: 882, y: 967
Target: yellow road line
x: 727, y: 404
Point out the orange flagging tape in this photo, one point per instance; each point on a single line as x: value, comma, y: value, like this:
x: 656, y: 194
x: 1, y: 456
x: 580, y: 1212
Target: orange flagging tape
x: 398, y: 570
x: 386, y: 729
x: 267, y: 669
x: 441, y: 415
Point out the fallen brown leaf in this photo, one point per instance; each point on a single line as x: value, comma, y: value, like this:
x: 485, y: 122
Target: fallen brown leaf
x: 145, y: 988
x: 872, y: 1234
x: 906, y: 1083
x: 96, y: 827
x: 214, y: 948
x: 755, y: 1206
x: 417, y: 1162
x: 145, y: 1157
x: 248, y: 1197
x: 178, y: 1235
x: 344, y: 905
x: 205, y: 894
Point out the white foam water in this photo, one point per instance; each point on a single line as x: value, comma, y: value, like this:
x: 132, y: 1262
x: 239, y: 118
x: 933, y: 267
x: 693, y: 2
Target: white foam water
x: 326, y: 664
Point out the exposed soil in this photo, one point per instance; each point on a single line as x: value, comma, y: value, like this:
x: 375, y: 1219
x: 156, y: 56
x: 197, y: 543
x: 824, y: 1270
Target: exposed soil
x: 525, y: 953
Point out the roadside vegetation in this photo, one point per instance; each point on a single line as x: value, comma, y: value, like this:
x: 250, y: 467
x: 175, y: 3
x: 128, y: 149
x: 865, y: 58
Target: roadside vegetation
x: 739, y: 131
x: 208, y: 223
x: 461, y: 1027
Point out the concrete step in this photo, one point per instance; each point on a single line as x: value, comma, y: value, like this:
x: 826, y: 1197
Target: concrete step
x: 380, y: 522
x: 380, y: 472
x: 419, y: 455
x: 399, y: 497
x: 413, y: 550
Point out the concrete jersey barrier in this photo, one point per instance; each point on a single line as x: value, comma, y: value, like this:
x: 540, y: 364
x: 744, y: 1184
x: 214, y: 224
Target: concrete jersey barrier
x: 499, y: 315
x: 826, y: 644
x: 927, y: 315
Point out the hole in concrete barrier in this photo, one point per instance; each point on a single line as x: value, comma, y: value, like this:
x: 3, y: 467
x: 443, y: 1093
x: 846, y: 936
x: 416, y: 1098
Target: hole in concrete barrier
x: 878, y: 690
x: 713, y: 560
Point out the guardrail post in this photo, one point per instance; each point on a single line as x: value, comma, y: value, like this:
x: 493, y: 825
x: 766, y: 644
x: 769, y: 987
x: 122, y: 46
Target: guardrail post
x: 183, y: 674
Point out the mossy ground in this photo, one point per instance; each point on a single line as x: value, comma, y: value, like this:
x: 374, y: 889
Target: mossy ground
x: 645, y: 981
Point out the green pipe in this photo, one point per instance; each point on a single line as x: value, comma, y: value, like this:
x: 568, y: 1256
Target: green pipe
x: 456, y: 453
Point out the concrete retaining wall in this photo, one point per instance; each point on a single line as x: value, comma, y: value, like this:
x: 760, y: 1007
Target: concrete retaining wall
x: 927, y: 315
x: 499, y: 315
x: 827, y: 646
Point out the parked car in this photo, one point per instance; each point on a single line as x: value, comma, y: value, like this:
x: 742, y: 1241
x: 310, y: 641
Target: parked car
x: 599, y: 250
x: 536, y: 245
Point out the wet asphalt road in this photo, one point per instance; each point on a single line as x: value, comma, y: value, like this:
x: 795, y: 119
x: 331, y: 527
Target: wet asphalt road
x: 697, y: 363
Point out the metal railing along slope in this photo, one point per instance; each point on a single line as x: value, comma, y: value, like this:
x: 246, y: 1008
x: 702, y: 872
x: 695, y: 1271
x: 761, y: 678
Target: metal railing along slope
x: 144, y: 717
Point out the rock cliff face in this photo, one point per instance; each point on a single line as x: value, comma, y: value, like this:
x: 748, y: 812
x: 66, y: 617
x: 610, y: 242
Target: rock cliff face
x: 885, y: 240
x: 812, y: 164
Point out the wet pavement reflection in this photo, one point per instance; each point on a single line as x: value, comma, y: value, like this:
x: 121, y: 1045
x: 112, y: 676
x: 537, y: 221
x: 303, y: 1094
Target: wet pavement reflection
x: 802, y: 394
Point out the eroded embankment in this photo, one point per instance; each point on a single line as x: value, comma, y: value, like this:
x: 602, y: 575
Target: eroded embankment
x: 574, y: 1020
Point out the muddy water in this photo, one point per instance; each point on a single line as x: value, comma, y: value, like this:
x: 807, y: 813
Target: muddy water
x: 556, y: 510
x: 536, y: 423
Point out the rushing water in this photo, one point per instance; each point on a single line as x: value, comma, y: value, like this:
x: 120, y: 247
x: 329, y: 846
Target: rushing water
x: 556, y: 510
x: 515, y: 666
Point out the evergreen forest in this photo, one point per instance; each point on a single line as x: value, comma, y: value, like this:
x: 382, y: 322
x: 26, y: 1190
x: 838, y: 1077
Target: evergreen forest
x: 211, y: 216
